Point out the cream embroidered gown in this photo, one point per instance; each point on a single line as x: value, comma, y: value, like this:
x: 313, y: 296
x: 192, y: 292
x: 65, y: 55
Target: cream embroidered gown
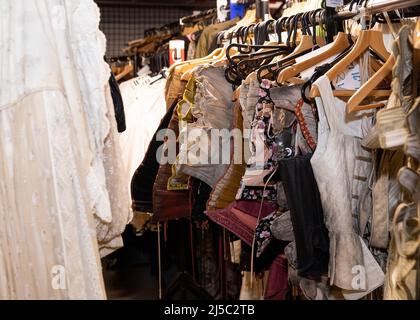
x: 57, y: 152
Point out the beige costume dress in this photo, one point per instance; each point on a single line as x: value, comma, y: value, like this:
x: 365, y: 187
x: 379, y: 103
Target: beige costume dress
x: 55, y: 151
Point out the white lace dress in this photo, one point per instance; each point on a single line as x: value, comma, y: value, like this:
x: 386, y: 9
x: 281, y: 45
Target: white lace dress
x: 54, y: 125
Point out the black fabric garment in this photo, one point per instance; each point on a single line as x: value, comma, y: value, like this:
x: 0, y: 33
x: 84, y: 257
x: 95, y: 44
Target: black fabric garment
x: 311, y: 235
x: 118, y: 103
x: 263, y: 262
x: 144, y: 177
x: 185, y: 288
x: 200, y: 195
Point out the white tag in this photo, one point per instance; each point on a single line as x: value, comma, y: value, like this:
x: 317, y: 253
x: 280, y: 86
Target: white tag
x: 222, y: 13
x: 348, y: 79
x: 334, y: 3
x: 273, y: 37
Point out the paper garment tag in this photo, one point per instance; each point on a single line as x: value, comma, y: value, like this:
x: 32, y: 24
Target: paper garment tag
x: 334, y: 3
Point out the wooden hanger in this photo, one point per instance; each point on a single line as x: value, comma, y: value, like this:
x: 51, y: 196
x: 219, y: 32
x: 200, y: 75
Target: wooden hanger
x: 249, y: 18
x: 127, y: 70
x: 305, y: 45
x: 222, y: 59
x: 365, y: 90
x: 187, y: 69
x: 367, y: 39
x: 188, y: 30
x: 339, y: 45
x: 209, y: 57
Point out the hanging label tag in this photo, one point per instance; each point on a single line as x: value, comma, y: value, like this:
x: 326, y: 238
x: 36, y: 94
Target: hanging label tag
x: 222, y: 12
x: 176, y: 51
x: 334, y: 3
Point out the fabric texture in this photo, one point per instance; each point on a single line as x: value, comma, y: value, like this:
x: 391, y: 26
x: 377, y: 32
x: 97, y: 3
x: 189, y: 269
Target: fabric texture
x: 174, y: 86
x: 169, y: 204
x: 145, y: 175
x: 241, y: 217
x: 310, y: 233
x: 55, y: 113
x: 145, y: 106
x: 402, y: 279
x: 118, y: 103
x: 277, y: 282
x: 227, y: 186
x: 341, y: 167
x: 109, y: 232
x: 212, y: 109
x: 207, y: 36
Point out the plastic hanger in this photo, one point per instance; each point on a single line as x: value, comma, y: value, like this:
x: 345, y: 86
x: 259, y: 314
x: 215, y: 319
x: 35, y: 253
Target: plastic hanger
x: 267, y: 67
x: 306, y: 45
x: 217, y: 60
x: 277, y: 26
x: 367, y: 39
x: 240, y: 66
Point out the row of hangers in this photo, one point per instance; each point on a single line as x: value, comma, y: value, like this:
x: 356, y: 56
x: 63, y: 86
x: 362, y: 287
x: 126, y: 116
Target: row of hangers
x: 277, y: 60
x: 121, y: 66
x: 155, y: 38
x: 154, y: 44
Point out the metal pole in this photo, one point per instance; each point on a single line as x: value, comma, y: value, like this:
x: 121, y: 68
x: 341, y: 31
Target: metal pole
x: 379, y: 7
x: 258, y: 9
x: 265, y: 10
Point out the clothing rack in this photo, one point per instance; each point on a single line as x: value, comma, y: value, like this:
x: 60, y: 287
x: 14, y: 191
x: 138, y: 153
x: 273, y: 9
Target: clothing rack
x: 119, y: 59
x: 211, y: 13
x: 344, y: 14
x: 172, y: 27
x: 189, y: 4
x: 378, y: 7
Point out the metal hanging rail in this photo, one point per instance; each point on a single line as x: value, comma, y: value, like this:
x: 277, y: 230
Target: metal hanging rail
x: 345, y: 13
x: 379, y: 7
x: 191, y: 4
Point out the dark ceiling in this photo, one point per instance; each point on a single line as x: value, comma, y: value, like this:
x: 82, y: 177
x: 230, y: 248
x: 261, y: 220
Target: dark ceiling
x: 198, y: 4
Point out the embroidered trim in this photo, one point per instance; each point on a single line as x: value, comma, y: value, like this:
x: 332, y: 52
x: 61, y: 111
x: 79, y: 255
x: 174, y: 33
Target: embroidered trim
x: 303, y: 125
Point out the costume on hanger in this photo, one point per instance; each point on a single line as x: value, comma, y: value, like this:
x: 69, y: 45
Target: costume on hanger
x: 58, y: 152
x: 341, y: 169
x: 145, y: 106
